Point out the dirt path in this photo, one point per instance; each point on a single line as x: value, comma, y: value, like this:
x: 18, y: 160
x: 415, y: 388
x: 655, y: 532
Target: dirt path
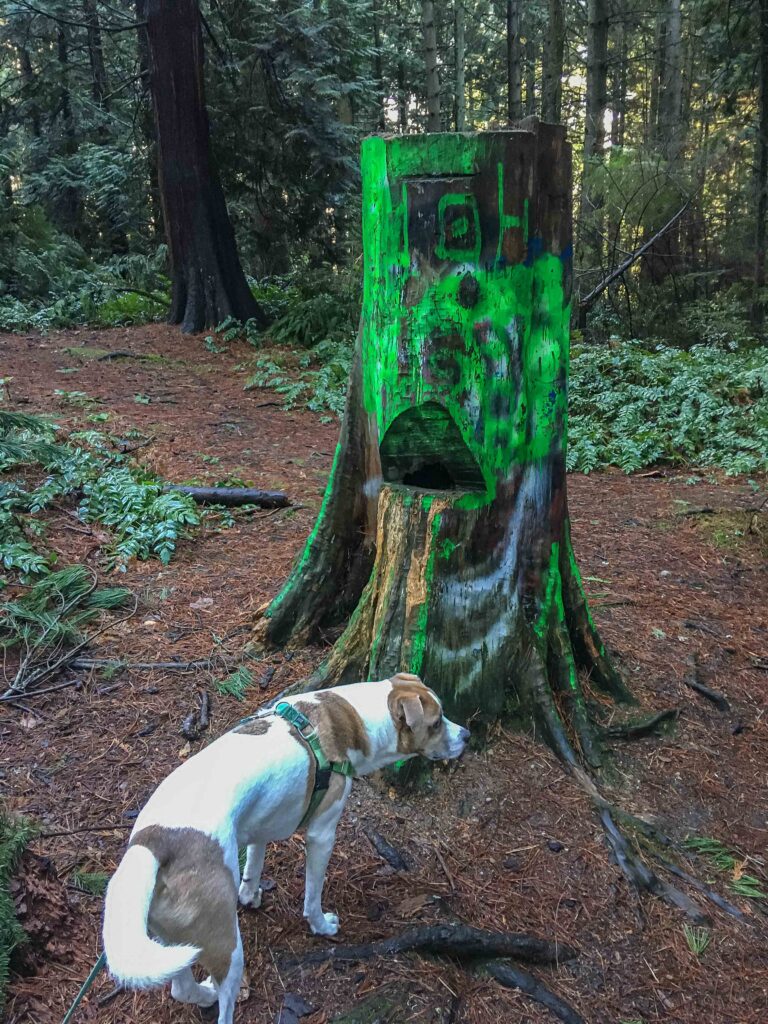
x: 503, y: 839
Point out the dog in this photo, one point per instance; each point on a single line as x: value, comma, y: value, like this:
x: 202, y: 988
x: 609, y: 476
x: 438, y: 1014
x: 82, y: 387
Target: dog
x: 173, y: 899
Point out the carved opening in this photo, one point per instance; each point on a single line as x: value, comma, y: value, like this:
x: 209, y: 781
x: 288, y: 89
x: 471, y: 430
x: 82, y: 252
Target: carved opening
x: 424, y: 448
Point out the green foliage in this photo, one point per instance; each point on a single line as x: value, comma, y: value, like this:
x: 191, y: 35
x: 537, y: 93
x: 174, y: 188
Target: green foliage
x: 144, y: 521
x: 315, y: 380
x: 50, y: 619
x: 236, y: 683
x: 631, y: 406
x: 93, y: 882
x: 697, y: 938
x: 15, y: 834
x: 729, y: 862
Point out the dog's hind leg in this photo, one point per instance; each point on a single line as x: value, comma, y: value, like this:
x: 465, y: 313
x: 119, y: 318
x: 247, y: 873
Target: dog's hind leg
x: 185, y: 989
x: 229, y: 988
x: 250, y: 891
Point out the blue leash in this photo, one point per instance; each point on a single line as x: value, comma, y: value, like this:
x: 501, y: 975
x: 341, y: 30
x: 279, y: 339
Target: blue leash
x: 95, y: 971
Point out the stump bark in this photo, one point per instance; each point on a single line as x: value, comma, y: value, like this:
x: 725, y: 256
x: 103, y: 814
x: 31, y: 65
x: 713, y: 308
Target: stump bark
x: 444, y: 534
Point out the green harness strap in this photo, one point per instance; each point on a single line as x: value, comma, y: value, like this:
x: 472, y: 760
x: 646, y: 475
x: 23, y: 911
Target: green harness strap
x: 323, y: 767
x: 97, y: 967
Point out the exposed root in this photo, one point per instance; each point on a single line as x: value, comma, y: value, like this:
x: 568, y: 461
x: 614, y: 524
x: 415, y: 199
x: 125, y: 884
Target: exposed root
x: 459, y: 940
x: 515, y: 977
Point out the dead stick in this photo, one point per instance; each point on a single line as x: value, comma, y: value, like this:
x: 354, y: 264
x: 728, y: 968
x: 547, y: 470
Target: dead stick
x: 461, y: 941
x: 232, y: 496
x: 514, y: 977
x: 634, y: 730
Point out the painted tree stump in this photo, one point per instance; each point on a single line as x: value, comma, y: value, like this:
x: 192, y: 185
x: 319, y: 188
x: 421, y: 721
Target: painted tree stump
x: 444, y: 534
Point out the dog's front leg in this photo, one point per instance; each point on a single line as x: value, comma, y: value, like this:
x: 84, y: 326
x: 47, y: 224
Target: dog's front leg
x: 250, y: 891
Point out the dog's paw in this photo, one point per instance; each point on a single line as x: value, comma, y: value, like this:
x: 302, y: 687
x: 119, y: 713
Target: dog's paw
x: 328, y: 924
x: 208, y: 993
x: 249, y: 897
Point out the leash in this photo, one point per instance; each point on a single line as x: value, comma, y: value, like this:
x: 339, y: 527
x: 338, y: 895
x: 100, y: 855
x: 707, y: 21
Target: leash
x: 308, y: 733
x: 95, y: 971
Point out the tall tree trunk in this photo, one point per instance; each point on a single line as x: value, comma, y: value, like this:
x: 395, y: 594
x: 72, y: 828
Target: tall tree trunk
x: 514, y: 63
x: 429, y: 29
x: 761, y: 176
x: 67, y: 207
x: 147, y: 121
x: 597, y: 79
x: 99, y: 89
x: 402, y: 99
x: 208, y: 281
x: 590, y: 233
x: 448, y: 489
x: 459, y: 43
x: 670, y: 132
x: 530, y: 75
x: 378, y: 70
x: 619, y: 81
x: 28, y: 77
x: 552, y: 70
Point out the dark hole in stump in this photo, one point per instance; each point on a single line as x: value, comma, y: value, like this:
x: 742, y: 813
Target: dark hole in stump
x: 424, y: 448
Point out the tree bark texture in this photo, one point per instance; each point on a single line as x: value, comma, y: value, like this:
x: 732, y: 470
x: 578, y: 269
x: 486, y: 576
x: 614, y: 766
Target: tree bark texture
x: 552, y: 70
x: 514, y: 63
x: 447, y: 492
x: 761, y: 176
x: 460, y: 48
x: 208, y: 281
x: 430, y: 63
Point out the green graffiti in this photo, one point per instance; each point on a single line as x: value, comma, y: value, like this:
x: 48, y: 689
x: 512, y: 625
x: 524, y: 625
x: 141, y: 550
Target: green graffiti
x: 497, y: 363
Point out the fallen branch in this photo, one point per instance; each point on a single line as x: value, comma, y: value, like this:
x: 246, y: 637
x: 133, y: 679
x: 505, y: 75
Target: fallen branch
x: 589, y: 300
x: 232, y: 497
x: 460, y: 941
x: 122, y: 354
x: 692, y: 682
x: 142, y: 666
x: 515, y: 977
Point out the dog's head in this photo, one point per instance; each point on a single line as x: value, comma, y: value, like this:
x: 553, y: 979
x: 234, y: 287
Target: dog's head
x: 421, y: 726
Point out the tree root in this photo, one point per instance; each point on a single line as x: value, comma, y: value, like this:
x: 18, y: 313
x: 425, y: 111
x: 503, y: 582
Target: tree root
x: 642, y: 726
x: 515, y: 977
x: 465, y: 943
x: 460, y: 941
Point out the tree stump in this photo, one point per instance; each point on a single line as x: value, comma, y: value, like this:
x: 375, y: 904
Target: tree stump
x: 444, y: 529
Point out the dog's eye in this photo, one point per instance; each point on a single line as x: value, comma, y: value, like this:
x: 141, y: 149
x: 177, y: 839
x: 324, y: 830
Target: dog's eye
x: 436, y: 725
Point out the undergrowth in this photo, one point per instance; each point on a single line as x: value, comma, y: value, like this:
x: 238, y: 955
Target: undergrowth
x: 15, y: 833
x: 36, y: 471
x: 633, y: 407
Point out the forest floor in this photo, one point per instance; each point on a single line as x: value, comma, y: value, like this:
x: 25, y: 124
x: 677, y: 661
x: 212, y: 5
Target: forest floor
x: 503, y: 839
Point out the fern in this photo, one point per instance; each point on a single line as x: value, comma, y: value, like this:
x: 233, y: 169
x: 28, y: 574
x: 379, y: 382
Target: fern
x: 236, y: 684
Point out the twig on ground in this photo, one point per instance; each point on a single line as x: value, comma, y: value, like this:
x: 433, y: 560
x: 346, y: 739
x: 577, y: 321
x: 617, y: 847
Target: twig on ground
x: 84, y: 828
x: 143, y: 666
x: 693, y: 682
x: 197, y: 721
x: 392, y: 856
x: 48, y: 689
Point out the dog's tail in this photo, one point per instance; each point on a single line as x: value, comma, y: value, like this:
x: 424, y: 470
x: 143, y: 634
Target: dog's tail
x: 134, y: 958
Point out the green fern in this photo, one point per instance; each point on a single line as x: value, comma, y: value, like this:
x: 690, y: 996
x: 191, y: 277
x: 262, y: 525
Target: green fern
x: 236, y: 684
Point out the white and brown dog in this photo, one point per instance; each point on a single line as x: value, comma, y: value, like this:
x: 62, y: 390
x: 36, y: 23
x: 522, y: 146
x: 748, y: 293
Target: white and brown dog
x: 173, y: 899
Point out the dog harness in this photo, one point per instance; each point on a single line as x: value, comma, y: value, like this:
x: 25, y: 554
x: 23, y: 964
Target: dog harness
x: 323, y: 767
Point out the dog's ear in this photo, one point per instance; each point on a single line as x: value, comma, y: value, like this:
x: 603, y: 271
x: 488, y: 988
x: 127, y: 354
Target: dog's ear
x: 411, y: 710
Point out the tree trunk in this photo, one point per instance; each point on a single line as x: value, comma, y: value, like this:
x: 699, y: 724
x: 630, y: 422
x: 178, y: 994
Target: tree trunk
x: 99, y: 89
x: 514, y: 63
x: 378, y: 70
x: 619, y: 82
x: 670, y: 131
x: 28, y: 77
x: 430, y: 62
x: 552, y: 71
x: 761, y: 176
x: 461, y: 100
x: 530, y: 78
x: 597, y: 79
x: 146, y: 121
x: 67, y: 206
x: 448, y: 489
x: 402, y: 99
x: 208, y: 281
